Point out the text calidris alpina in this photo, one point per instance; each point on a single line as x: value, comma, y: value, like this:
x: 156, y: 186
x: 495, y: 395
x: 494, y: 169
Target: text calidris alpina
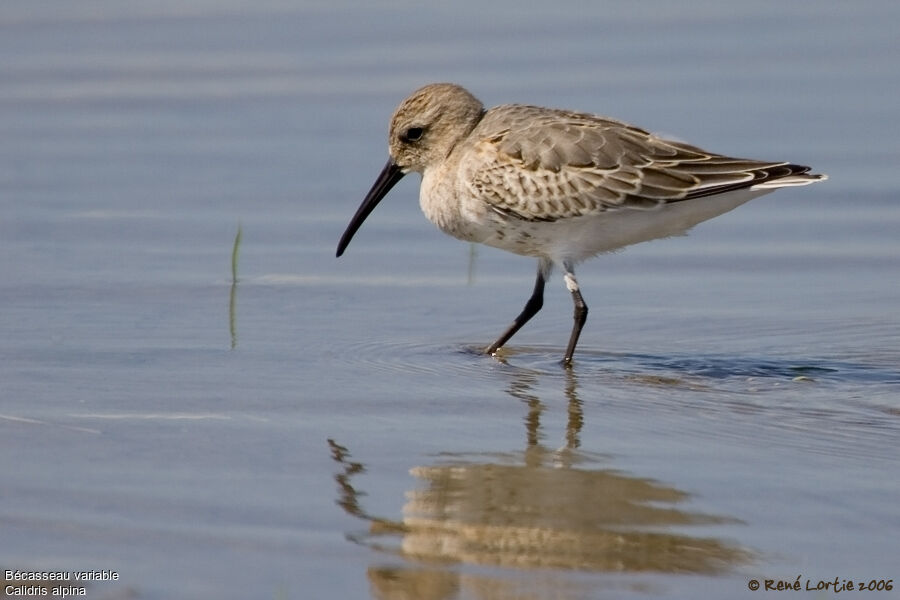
x: 557, y: 185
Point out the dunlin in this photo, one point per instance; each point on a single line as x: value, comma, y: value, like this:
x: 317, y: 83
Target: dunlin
x: 558, y: 185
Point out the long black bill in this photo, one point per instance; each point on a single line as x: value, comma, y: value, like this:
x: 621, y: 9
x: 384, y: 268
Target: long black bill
x: 389, y: 176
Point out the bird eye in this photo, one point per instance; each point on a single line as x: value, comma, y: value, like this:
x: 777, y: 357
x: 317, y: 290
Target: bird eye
x: 413, y: 134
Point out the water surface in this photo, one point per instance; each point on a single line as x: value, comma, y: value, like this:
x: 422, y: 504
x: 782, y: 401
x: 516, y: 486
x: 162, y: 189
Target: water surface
x: 325, y: 428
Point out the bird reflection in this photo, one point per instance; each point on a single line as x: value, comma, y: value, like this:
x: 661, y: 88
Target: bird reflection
x: 540, y: 508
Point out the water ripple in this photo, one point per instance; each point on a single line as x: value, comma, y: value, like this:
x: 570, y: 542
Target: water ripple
x: 824, y: 406
x: 709, y: 367
x: 711, y: 370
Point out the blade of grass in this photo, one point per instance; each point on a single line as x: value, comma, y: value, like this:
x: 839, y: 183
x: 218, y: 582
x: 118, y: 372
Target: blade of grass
x: 232, y: 300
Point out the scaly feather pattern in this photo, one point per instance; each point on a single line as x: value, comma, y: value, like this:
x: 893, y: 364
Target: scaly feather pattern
x: 541, y: 164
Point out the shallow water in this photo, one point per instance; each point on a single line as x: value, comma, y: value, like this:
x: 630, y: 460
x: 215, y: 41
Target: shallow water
x: 326, y: 428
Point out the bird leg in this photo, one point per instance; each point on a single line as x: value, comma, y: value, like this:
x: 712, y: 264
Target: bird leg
x: 534, y: 304
x: 581, y: 311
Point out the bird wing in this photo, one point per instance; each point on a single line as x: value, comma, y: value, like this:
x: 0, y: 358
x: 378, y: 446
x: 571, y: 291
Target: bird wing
x: 542, y: 164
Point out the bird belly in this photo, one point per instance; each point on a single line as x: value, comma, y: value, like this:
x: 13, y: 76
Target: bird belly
x: 568, y: 239
x: 579, y: 238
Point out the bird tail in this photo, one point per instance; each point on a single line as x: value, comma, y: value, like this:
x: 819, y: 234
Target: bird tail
x: 790, y: 180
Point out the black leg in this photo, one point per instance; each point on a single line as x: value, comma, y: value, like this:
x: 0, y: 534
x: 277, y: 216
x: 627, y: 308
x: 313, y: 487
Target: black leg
x: 532, y: 307
x: 581, y: 312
